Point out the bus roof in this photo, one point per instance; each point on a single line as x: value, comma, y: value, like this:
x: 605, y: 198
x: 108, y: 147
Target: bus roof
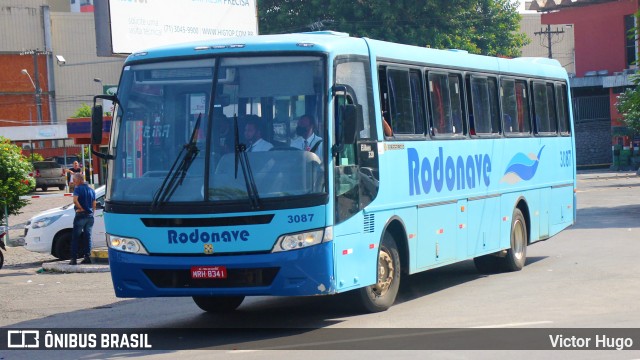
x: 342, y: 43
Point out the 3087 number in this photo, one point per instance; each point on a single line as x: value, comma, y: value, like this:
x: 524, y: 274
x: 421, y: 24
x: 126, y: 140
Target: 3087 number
x: 300, y: 218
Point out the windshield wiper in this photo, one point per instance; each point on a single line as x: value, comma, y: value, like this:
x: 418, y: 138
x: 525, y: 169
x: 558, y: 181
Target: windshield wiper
x: 177, y: 173
x: 241, y: 155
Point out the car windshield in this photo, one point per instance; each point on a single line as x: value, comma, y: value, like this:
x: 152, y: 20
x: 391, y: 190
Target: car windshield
x: 256, y: 134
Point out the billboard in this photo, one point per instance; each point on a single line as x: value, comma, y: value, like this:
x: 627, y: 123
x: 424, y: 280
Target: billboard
x: 135, y: 25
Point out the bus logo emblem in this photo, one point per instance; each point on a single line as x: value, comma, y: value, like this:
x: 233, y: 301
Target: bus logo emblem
x: 522, y: 167
x: 208, y: 249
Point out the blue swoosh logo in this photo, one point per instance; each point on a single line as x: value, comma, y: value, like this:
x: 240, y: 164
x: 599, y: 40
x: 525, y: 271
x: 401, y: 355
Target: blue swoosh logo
x: 522, y: 167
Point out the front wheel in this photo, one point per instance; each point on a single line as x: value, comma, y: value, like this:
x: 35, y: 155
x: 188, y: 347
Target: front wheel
x: 218, y: 304
x: 62, y: 246
x: 381, y: 295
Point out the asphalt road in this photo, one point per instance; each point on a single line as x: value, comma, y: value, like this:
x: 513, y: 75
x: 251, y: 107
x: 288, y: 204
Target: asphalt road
x: 585, y: 277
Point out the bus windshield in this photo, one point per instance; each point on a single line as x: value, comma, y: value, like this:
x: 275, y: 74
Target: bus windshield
x: 230, y: 129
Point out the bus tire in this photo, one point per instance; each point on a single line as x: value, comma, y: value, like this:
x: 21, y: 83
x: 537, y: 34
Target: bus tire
x: 381, y: 295
x: 218, y: 304
x: 517, y: 253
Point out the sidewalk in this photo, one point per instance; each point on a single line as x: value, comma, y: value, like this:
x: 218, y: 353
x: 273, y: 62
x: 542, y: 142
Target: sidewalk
x: 603, y: 174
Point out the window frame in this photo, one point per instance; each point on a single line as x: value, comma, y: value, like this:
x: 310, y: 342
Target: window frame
x: 447, y: 74
x: 525, y: 83
x: 536, y: 130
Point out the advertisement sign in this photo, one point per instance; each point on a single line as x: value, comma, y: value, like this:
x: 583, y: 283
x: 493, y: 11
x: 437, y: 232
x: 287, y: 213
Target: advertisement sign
x: 140, y: 24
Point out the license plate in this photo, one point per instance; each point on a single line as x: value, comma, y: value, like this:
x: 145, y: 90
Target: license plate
x: 208, y: 272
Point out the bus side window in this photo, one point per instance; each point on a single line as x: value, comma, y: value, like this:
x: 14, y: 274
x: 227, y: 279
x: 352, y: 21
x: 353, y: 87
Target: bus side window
x: 561, y: 104
x: 455, y: 93
x: 440, y: 104
x: 551, y: 100
x: 522, y: 101
x: 384, y: 101
x: 509, y: 106
x: 542, y: 119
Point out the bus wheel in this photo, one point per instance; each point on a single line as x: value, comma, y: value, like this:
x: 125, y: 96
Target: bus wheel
x: 381, y: 295
x: 517, y: 254
x: 218, y: 304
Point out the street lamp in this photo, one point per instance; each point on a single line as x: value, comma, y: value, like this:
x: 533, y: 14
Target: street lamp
x: 99, y: 81
x: 63, y: 62
x: 37, y: 91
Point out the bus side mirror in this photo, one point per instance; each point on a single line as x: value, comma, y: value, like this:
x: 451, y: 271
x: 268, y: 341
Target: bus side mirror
x: 351, y: 115
x: 96, y: 125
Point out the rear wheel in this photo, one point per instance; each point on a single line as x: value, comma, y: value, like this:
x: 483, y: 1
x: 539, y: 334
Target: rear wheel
x: 44, y: 188
x: 517, y: 254
x: 218, y: 304
x: 61, y: 187
x: 381, y: 295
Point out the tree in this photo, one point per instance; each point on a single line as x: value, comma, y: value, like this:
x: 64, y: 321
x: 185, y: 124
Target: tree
x: 36, y: 157
x: 14, y: 178
x: 488, y: 27
x: 628, y: 104
x: 83, y: 111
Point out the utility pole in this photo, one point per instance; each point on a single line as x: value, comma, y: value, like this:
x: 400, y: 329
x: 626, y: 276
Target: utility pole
x: 548, y: 33
x: 36, y: 82
x: 36, y: 75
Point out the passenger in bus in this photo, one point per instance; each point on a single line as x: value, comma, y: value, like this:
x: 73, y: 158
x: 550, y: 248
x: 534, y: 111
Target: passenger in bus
x: 222, y: 134
x: 307, y: 138
x: 253, y: 135
x: 388, y: 131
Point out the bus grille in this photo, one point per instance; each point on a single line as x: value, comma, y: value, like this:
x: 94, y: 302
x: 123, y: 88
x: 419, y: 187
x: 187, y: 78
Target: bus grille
x: 369, y: 223
x: 235, y: 278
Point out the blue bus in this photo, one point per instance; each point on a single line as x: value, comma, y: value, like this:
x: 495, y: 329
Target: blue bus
x: 319, y: 163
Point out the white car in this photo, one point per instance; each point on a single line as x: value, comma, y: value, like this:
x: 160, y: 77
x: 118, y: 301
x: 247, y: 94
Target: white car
x: 50, y: 231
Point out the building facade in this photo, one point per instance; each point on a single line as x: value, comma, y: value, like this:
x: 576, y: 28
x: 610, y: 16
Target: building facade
x: 37, y: 90
x: 605, y: 57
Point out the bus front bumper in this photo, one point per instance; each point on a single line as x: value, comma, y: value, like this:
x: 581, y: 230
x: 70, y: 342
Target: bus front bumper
x: 301, y: 272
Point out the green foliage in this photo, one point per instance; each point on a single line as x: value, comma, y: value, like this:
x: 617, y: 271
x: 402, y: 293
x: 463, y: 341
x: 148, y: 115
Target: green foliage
x: 35, y: 157
x: 488, y: 27
x: 628, y: 106
x: 87, y: 154
x: 14, y: 178
x: 83, y: 111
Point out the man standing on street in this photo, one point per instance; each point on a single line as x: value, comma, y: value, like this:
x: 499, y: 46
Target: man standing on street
x: 84, y: 201
x: 75, y: 169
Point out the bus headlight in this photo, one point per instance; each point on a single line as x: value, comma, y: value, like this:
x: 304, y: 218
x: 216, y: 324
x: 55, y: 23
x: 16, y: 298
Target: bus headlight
x: 129, y: 245
x: 302, y: 240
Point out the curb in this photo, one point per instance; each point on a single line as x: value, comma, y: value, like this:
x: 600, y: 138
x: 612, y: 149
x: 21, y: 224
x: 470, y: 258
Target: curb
x: 64, y: 267
x: 605, y: 176
x: 99, y: 259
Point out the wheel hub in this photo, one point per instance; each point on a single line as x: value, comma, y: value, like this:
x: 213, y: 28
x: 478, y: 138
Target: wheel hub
x: 385, y: 273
